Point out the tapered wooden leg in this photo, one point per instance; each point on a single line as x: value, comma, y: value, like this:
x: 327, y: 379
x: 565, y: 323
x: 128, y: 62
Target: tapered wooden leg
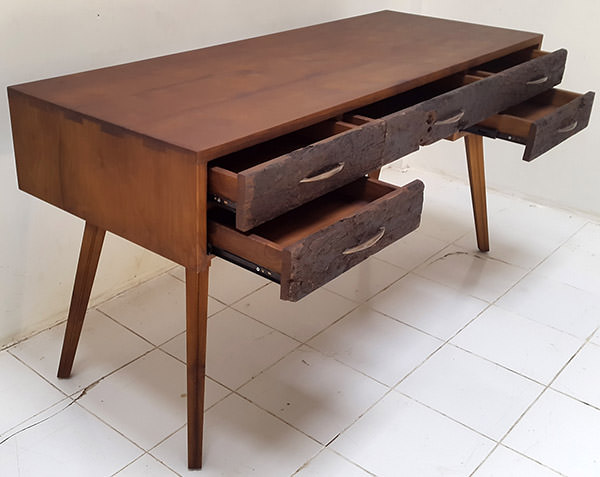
x: 196, y: 286
x: 474, y: 147
x: 91, y: 246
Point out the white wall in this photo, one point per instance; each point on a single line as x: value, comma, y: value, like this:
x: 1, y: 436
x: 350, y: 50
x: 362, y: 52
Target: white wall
x: 568, y: 175
x: 39, y: 244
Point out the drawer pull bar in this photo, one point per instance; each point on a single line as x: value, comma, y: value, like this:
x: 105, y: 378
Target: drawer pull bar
x: 324, y: 175
x: 452, y: 120
x: 541, y: 80
x: 568, y: 128
x: 367, y: 244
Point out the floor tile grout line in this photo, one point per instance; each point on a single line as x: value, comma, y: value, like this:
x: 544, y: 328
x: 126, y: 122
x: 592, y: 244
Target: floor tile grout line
x: 447, y: 416
x: 64, y: 315
x: 499, y: 365
x: 533, y: 320
x: 370, y: 297
x: 307, y: 463
x: 237, y: 299
x: 78, y: 393
x: 562, y: 244
x: 279, y: 418
x: 110, y: 426
x: 354, y: 308
x: 149, y: 451
x: 74, y: 401
x: 530, y: 458
x: 115, y: 320
x: 39, y: 374
x: 546, y: 387
x: 15, y: 429
x: 416, y: 328
x: 140, y: 457
x: 117, y: 369
x: 408, y: 270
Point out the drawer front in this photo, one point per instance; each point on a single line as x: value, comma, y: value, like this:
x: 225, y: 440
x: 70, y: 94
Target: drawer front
x: 561, y: 124
x: 324, y: 255
x: 268, y: 190
x: 540, y: 123
x: 403, y: 133
x: 472, y: 103
x: 311, y: 245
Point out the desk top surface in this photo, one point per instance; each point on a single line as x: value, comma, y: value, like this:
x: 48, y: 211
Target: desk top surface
x: 220, y: 99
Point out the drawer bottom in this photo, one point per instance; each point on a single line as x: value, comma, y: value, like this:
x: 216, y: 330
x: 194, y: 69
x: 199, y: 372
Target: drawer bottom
x: 309, y: 246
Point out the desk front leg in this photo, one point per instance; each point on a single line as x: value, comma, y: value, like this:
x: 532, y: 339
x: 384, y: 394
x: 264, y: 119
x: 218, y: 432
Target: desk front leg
x: 89, y: 255
x: 474, y: 147
x: 196, y: 285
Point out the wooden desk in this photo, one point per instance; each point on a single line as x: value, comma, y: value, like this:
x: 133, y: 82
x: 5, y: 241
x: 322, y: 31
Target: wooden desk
x: 257, y: 150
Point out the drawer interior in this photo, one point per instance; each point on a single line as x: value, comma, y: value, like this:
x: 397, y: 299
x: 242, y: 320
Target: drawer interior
x: 263, y: 245
x: 223, y: 172
x: 404, y: 100
x: 508, y: 61
x: 265, y: 151
x: 514, y: 124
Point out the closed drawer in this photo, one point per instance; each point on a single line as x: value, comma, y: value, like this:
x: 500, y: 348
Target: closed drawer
x: 540, y: 123
x: 309, y: 246
x: 266, y: 180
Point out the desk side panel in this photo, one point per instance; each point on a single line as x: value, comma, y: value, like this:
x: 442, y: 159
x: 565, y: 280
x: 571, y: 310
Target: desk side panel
x: 135, y: 187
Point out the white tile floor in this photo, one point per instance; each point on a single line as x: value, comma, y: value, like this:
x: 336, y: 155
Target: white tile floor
x: 430, y: 359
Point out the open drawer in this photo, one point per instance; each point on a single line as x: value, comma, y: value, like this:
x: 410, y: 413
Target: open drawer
x: 263, y: 181
x: 309, y: 246
x: 454, y: 103
x: 540, y: 123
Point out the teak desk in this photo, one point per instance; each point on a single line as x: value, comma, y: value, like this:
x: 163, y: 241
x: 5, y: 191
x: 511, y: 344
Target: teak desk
x: 258, y: 150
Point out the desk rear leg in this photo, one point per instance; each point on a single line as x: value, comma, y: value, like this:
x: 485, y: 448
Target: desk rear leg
x: 196, y: 285
x: 474, y: 147
x: 91, y: 246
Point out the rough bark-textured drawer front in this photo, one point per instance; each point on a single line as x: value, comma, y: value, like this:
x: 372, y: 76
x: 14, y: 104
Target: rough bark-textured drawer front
x: 540, y: 123
x: 465, y: 106
x: 307, y: 247
x: 440, y: 109
x: 272, y: 178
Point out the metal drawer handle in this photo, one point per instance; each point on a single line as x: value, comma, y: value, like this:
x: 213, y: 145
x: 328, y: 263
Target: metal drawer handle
x: 324, y: 175
x: 568, y: 128
x: 541, y: 80
x: 453, y: 119
x: 367, y: 244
